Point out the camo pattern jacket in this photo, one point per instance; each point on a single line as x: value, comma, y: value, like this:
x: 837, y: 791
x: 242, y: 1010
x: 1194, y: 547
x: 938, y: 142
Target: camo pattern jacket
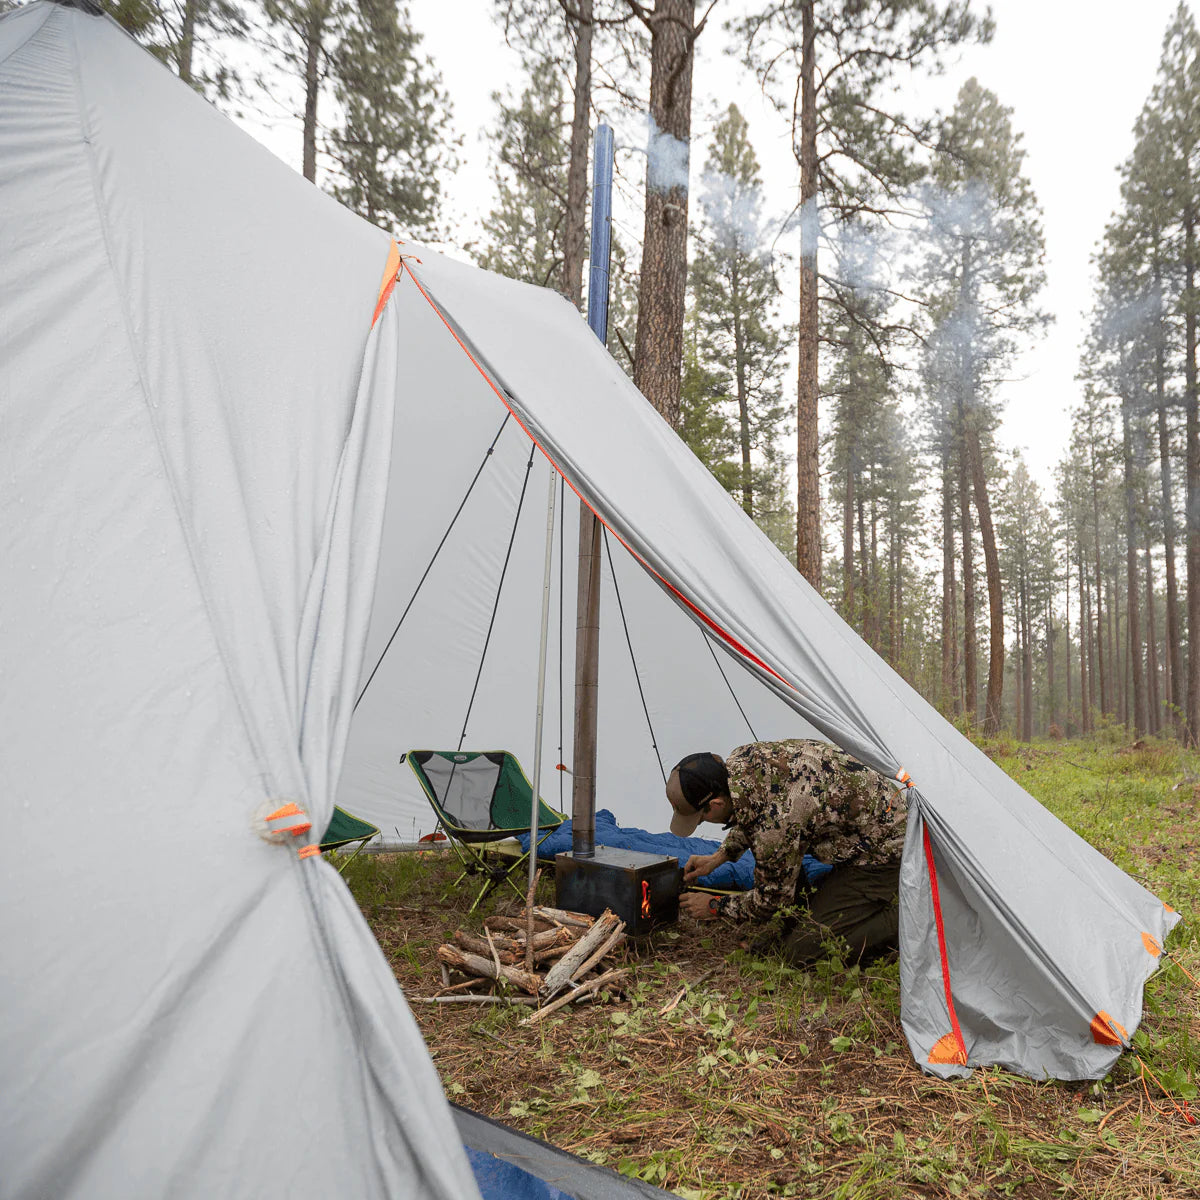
x: 796, y: 797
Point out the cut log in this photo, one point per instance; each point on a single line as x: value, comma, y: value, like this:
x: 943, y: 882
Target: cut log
x: 489, y: 999
x: 473, y: 964
x: 509, y: 952
x: 588, y: 989
x: 611, y: 942
x: 564, y: 970
x: 516, y: 926
x: 560, y: 916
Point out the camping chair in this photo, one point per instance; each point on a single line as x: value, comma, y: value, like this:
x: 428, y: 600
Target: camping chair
x: 480, y: 798
x: 344, y: 829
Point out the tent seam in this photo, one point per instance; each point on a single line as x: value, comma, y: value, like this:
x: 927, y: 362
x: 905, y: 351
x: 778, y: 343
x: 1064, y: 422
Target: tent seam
x: 37, y: 28
x: 148, y: 407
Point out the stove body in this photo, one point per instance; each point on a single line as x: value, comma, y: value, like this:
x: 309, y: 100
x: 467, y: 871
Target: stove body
x: 642, y: 889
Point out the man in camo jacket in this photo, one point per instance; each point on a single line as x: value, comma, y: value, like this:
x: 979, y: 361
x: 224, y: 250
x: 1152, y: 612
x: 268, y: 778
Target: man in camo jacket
x: 783, y: 800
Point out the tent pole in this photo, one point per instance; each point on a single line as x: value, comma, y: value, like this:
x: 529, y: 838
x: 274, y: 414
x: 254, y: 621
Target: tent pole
x: 541, y: 684
x: 587, y: 627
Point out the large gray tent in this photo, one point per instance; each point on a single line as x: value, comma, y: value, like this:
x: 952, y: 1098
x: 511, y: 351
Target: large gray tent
x: 238, y: 424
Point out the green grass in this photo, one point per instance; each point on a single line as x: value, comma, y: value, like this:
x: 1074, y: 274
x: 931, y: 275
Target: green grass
x: 768, y: 1081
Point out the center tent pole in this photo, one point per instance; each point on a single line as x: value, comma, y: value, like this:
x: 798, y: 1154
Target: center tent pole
x: 587, y: 627
x: 541, y: 684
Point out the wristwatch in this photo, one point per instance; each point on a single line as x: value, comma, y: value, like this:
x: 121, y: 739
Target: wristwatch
x: 714, y: 905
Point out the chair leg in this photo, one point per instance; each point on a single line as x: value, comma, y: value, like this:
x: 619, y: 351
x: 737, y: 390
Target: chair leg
x: 357, y: 851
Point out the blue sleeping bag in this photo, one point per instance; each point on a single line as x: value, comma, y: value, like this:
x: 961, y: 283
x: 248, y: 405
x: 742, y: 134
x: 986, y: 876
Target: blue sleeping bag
x: 734, y: 876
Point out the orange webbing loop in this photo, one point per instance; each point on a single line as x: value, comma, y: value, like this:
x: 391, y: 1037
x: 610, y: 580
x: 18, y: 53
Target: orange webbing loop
x: 308, y: 851
x: 1183, y: 1112
x: 390, y: 272
x: 902, y: 776
x: 291, y: 818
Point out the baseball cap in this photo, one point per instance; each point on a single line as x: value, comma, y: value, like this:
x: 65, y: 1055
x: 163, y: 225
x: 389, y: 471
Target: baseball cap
x: 698, y: 778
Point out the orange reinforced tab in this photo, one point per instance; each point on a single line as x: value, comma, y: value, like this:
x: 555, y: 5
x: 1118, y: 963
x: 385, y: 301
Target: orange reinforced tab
x: 948, y: 1050
x: 1152, y: 944
x: 390, y: 272
x: 1107, y: 1032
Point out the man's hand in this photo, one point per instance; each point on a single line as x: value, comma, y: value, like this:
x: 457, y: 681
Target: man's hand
x: 697, y: 906
x: 703, y: 864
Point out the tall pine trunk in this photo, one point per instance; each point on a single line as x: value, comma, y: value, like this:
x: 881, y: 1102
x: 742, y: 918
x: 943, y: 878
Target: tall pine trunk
x: 970, y: 652
x: 848, y: 538
x: 1153, y: 701
x: 314, y: 34
x: 808, y: 480
x: 1136, y: 703
x: 575, y: 236
x: 1052, y: 705
x: 950, y: 694
x: 658, y: 350
x: 1085, y: 648
x: 743, y: 397
x: 991, y: 558
x: 187, y: 39
x: 1173, y: 682
x: 1101, y: 675
x: 1193, y: 482
x: 1067, y: 724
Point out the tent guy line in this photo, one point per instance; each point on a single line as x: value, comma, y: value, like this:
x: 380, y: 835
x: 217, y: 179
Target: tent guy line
x: 429, y: 567
x: 504, y: 395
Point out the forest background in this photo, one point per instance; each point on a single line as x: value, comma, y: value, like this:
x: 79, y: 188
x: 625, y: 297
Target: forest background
x: 831, y: 276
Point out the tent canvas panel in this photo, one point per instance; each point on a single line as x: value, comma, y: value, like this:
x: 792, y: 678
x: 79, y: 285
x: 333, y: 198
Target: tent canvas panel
x: 197, y: 419
x: 708, y: 557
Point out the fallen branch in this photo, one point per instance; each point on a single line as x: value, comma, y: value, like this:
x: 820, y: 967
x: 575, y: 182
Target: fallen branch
x: 473, y: 964
x: 564, y: 970
x: 487, y: 933
x: 587, y: 989
x: 488, y: 999
x: 474, y: 981
x: 560, y: 916
x: 517, y: 927
x: 613, y: 940
x: 673, y: 1004
x: 508, y: 949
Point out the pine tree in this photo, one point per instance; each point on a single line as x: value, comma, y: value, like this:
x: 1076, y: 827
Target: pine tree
x: 526, y: 229
x: 1175, y: 102
x: 735, y: 296
x: 662, y: 286
x: 982, y: 270
x: 299, y: 38
x: 191, y: 37
x: 390, y: 147
x: 831, y: 69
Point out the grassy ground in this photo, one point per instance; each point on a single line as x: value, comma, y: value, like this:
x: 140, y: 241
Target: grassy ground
x: 768, y: 1081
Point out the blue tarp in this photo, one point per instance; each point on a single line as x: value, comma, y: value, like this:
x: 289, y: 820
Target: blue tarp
x: 734, y: 876
x: 499, y: 1180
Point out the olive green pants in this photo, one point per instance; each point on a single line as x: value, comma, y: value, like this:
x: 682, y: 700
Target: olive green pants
x: 859, y: 906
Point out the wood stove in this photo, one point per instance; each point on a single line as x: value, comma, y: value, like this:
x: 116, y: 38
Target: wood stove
x: 642, y: 889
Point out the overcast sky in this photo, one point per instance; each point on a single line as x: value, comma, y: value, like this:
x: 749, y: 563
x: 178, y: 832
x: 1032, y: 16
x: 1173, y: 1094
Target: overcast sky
x: 1075, y: 73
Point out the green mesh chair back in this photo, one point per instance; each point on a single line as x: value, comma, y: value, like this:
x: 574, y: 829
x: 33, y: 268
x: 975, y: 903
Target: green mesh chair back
x: 344, y: 828
x: 480, y: 796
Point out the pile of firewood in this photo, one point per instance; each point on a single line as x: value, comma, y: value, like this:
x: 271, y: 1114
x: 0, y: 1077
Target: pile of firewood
x: 545, y: 958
